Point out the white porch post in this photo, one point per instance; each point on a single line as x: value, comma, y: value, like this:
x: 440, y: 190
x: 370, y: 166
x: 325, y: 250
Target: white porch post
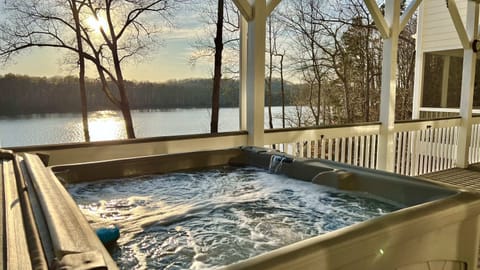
x: 419, y: 72
x: 386, y: 147
x: 256, y: 74
x: 468, y: 79
x: 243, y: 74
x: 446, y: 69
x: 255, y: 13
x: 389, y: 26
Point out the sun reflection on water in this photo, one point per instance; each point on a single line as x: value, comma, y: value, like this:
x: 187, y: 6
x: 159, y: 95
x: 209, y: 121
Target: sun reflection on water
x: 106, y: 125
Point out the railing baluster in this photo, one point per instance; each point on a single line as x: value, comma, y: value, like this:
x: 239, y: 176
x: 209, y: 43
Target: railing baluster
x: 337, y: 149
x: 367, y: 151
x: 422, y: 151
x: 322, y: 149
x: 343, y: 149
x: 350, y: 150
x: 362, y: 151
x: 355, y: 150
x: 330, y: 149
x: 397, y: 147
x: 442, y: 148
x: 404, y: 153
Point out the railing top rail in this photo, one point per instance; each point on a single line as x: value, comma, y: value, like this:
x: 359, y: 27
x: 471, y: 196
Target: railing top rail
x: 402, y: 126
x: 276, y: 130
x: 47, y: 147
x: 426, y: 120
x: 450, y: 110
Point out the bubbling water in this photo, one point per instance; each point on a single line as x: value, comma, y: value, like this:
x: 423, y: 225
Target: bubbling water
x: 212, y: 218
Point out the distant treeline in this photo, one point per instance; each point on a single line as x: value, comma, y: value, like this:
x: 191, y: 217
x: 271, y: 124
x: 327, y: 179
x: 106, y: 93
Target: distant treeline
x: 30, y: 95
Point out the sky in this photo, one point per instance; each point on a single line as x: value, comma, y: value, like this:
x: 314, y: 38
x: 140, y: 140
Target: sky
x: 166, y: 62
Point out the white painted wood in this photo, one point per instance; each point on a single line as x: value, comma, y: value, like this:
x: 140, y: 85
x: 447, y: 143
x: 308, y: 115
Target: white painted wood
x: 442, y: 149
x: 404, y: 153
x: 445, y: 77
x: 322, y: 152
x: 367, y: 152
x: 385, y: 155
x: 337, y: 149
x: 416, y: 156
x: 362, y: 151
x: 437, y: 149
x: 315, y: 149
x: 448, y: 148
x: 245, y: 8
x: 424, y: 124
x: 419, y: 67
x: 468, y: 80
x: 397, y: 137
x: 243, y: 74
x: 325, y: 133
x: 330, y: 149
x: 350, y: 150
x: 458, y: 23
x: 343, y: 150
x: 422, y: 164
x: 256, y: 74
x: 356, y: 152
x: 375, y: 151
x: 408, y: 13
x: 410, y: 155
x: 438, y: 31
x: 271, y: 5
x: 380, y: 22
x: 309, y: 149
x: 429, y: 146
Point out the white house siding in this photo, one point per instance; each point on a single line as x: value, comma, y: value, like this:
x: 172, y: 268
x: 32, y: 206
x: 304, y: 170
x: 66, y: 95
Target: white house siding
x: 438, y: 31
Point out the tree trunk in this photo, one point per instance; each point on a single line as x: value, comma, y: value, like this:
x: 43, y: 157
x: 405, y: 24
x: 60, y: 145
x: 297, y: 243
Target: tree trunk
x: 217, y: 73
x: 282, y: 83
x: 81, y: 76
x: 270, y: 73
x: 125, y: 108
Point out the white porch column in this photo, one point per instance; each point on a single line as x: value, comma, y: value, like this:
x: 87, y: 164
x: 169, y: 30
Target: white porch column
x: 419, y: 72
x: 389, y: 27
x: 446, y: 69
x: 243, y: 74
x: 386, y: 147
x: 468, y: 80
x: 255, y: 13
x: 256, y: 74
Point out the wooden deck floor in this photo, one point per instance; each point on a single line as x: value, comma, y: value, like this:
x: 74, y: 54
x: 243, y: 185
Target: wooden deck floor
x: 462, y: 178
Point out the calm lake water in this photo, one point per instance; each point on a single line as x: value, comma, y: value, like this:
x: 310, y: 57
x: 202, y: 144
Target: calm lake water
x: 108, y: 125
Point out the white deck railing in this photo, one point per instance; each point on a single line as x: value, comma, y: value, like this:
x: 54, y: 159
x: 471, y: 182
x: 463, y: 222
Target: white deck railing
x: 425, y: 146
x: 352, y: 144
x: 421, y: 146
x: 437, y: 112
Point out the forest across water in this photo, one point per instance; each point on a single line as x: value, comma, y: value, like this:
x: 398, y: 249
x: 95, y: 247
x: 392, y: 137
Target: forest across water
x: 35, y: 95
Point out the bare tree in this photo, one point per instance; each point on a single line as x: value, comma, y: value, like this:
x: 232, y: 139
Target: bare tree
x: 76, y: 9
x: 127, y: 29
x: 217, y: 75
x: 224, y: 18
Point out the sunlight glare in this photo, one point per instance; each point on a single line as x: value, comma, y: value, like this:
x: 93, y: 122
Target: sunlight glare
x: 96, y: 25
x: 105, y: 125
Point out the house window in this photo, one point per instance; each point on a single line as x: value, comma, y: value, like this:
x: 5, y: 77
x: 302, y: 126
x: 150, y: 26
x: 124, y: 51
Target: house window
x: 442, y: 80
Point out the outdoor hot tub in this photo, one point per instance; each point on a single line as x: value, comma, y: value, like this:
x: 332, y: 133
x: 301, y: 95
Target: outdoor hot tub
x: 415, y: 225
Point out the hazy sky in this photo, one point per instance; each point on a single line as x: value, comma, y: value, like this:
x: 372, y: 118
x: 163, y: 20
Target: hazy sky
x: 168, y: 61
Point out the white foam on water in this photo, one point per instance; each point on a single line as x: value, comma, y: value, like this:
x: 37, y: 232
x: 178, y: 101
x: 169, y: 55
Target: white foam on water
x: 213, y: 218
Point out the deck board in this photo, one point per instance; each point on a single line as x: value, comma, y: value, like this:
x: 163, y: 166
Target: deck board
x: 462, y: 178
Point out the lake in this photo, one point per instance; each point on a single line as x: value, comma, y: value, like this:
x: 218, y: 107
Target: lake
x: 108, y: 125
